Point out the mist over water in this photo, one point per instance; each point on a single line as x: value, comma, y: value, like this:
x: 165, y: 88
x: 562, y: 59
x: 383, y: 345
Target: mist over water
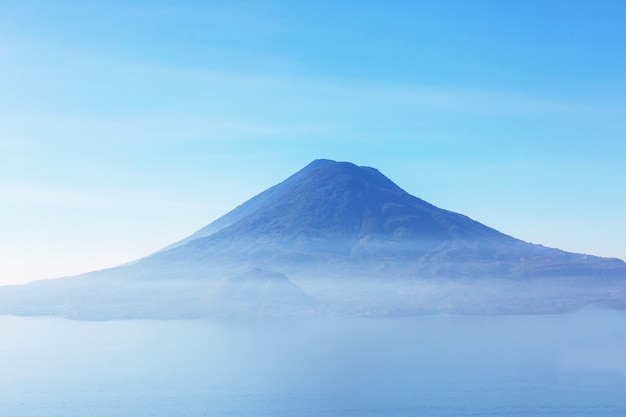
x: 558, y: 365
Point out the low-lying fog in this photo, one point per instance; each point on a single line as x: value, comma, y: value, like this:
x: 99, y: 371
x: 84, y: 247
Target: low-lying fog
x: 549, y: 365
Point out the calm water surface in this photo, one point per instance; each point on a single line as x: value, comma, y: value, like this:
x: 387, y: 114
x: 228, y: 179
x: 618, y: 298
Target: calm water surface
x: 571, y: 365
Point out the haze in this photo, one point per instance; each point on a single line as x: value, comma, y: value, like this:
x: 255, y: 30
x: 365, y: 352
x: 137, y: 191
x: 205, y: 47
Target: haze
x: 436, y: 366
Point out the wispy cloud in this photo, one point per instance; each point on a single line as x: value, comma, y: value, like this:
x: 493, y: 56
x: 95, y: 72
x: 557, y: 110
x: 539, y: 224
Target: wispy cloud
x: 122, y: 200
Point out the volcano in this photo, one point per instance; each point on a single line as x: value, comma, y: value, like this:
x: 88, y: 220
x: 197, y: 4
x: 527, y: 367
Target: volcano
x: 334, y: 239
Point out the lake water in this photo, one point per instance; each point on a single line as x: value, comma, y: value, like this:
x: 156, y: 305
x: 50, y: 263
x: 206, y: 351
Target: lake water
x: 569, y: 365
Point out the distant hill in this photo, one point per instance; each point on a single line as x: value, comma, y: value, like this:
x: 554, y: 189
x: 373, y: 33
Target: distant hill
x: 344, y: 240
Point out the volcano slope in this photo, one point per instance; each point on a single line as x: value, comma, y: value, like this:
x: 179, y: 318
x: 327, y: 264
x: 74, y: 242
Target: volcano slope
x: 334, y: 239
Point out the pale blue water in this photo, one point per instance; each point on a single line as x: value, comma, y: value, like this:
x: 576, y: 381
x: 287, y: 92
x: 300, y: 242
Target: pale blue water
x: 426, y: 366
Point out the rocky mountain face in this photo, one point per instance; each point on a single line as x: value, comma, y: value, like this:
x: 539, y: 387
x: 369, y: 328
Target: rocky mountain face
x: 334, y: 239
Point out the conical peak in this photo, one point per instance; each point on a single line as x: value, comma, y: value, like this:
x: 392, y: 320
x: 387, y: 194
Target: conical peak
x: 339, y: 200
x: 329, y: 199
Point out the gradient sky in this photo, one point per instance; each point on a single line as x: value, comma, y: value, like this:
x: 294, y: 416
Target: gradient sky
x: 127, y: 125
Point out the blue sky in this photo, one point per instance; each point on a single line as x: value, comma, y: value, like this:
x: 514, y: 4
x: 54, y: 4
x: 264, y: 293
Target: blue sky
x: 127, y: 125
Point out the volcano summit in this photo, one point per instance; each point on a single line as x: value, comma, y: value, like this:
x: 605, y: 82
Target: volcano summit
x: 334, y: 239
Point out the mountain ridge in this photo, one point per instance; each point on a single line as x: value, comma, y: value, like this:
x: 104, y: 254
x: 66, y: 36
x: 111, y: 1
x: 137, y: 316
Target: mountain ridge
x: 350, y: 240
x: 342, y: 203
